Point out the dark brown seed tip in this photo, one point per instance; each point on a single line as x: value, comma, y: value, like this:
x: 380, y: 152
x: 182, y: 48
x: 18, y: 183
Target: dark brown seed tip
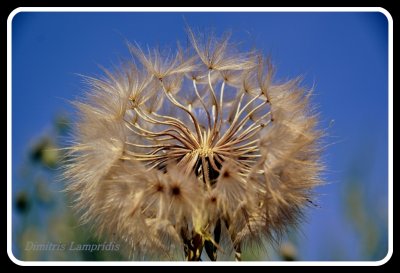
x: 160, y: 188
x: 175, y: 190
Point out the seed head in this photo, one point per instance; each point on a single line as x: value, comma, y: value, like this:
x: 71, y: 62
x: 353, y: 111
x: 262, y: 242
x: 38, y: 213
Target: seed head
x: 188, y: 148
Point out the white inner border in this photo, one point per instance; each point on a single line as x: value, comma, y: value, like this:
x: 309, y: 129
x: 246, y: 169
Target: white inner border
x: 202, y: 9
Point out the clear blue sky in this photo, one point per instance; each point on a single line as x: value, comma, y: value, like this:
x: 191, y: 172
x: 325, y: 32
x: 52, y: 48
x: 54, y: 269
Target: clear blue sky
x: 344, y: 54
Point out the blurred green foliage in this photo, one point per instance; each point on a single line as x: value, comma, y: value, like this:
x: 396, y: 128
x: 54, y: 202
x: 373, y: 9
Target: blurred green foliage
x: 364, y: 224
x: 362, y: 208
x: 42, y: 214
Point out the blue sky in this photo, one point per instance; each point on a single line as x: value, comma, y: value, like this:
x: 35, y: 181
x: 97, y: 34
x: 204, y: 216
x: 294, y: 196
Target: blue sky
x: 345, y: 55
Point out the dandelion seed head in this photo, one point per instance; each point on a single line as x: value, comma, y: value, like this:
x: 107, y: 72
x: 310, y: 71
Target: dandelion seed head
x: 174, y: 151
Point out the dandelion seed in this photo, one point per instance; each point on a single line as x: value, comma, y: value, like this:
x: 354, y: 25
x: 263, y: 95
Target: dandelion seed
x: 175, y: 153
